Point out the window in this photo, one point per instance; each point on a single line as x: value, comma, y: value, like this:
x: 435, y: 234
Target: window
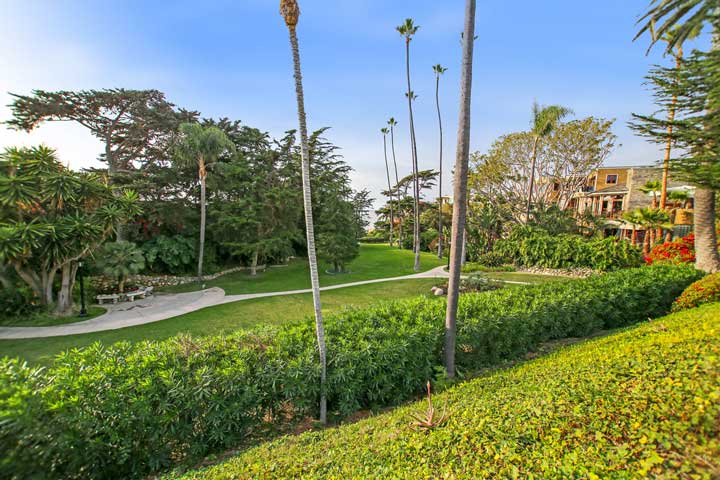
x: 611, y: 179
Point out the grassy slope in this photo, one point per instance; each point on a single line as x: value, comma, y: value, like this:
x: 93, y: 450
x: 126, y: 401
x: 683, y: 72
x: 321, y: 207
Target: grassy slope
x: 375, y: 261
x: 222, y: 318
x: 637, y: 404
x: 524, y: 277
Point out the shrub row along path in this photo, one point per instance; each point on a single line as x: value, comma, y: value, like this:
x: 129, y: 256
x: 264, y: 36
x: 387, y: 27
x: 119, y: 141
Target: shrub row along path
x: 164, y: 306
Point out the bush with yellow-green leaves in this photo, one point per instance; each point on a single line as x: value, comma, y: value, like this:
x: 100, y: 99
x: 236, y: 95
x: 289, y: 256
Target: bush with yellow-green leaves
x: 643, y: 403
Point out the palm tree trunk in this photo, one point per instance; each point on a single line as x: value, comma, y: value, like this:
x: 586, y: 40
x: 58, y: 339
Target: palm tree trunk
x: 440, y: 199
x: 310, y: 232
x: 387, y: 171
x: 397, y: 182
x: 201, y: 254
x: 416, y: 180
x: 532, y: 178
x: 706, y: 249
x: 460, y: 188
x: 646, y: 241
x: 668, y: 146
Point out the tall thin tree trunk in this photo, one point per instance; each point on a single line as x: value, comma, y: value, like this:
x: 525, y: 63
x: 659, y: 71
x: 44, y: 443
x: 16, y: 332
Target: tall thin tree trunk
x: 668, y: 146
x: 307, y: 201
x: 460, y: 188
x: 201, y: 254
x: 706, y: 249
x: 533, y: 161
x: 416, y: 179
x: 387, y: 171
x: 254, y: 264
x: 397, y: 182
x: 440, y: 199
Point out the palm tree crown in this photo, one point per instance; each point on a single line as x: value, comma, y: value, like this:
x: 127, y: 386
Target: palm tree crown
x: 408, y: 29
x: 290, y: 11
x: 198, y: 141
x: 545, y: 119
x: 683, y: 18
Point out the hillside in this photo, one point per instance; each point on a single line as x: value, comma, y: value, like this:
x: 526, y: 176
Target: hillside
x: 641, y: 403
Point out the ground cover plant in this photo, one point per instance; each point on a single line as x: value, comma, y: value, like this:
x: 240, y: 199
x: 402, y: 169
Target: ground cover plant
x: 638, y: 404
x: 133, y: 409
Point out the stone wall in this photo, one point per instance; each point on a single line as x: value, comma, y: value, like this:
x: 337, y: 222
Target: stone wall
x: 104, y: 284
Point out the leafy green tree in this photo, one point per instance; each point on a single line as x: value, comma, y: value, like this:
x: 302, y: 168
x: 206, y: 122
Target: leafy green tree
x: 408, y: 30
x: 52, y: 217
x: 256, y: 212
x: 439, y: 70
x: 290, y: 12
x: 173, y: 255
x: 119, y: 260
x: 337, y: 238
x: 201, y: 146
x: 136, y: 126
x: 544, y: 122
x: 462, y: 159
x: 692, y: 92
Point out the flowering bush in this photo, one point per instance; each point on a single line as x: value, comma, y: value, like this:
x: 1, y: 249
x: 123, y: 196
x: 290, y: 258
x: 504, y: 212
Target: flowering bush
x: 705, y: 290
x: 679, y: 251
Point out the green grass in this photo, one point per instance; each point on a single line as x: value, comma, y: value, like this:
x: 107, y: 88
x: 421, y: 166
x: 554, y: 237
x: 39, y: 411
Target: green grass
x: 222, y: 318
x: 375, y: 261
x: 523, y: 277
x: 643, y: 403
x: 49, y: 320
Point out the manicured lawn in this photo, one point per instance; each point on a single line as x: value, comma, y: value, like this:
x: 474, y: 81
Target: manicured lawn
x: 375, y: 261
x: 47, y: 320
x: 524, y: 277
x: 642, y: 403
x: 222, y: 318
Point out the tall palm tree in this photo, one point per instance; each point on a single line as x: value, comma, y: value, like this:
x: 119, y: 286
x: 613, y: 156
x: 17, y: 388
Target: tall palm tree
x: 201, y: 146
x: 290, y: 11
x: 671, y: 113
x: 408, y: 29
x: 684, y: 18
x: 633, y: 218
x: 652, y: 187
x: 460, y: 187
x: 439, y: 70
x: 544, y: 121
x: 385, y: 132
x: 393, y: 123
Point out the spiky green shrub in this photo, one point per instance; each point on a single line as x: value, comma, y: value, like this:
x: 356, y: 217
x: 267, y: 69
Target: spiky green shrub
x: 130, y: 410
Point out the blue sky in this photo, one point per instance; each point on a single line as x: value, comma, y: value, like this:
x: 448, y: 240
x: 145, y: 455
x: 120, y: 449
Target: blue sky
x: 231, y: 58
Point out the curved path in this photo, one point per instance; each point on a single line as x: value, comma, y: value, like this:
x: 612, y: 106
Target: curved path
x: 164, y: 306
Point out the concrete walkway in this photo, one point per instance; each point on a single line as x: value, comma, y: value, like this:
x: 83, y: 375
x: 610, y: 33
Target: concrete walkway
x: 164, y: 306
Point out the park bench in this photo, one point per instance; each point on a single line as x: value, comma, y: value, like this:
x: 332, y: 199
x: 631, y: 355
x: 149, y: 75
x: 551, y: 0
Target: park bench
x: 102, y: 298
x: 138, y: 293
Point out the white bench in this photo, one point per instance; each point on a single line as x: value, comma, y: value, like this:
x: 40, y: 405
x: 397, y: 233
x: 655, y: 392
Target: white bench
x: 138, y: 293
x: 149, y: 291
x: 102, y: 298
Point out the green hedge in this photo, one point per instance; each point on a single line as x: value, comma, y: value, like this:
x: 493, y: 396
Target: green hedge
x: 130, y: 410
x: 638, y: 404
x: 535, y: 248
